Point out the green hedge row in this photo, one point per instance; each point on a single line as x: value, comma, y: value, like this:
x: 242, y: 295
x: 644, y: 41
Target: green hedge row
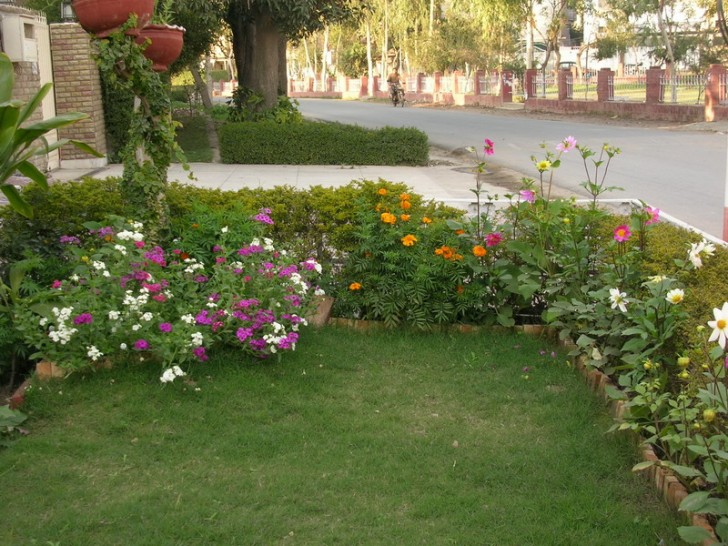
x: 316, y: 143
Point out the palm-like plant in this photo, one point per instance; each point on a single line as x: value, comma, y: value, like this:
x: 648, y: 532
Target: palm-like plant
x: 21, y: 141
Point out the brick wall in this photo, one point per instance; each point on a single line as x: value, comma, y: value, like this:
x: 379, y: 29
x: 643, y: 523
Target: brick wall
x: 27, y: 84
x: 78, y: 89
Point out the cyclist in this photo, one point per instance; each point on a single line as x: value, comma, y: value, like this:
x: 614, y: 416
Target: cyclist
x: 394, y: 85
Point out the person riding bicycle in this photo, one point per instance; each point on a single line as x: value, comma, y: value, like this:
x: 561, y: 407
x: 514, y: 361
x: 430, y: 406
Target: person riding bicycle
x: 394, y: 85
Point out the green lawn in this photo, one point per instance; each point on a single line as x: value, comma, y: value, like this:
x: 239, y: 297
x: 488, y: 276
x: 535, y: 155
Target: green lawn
x: 382, y: 438
x: 192, y: 137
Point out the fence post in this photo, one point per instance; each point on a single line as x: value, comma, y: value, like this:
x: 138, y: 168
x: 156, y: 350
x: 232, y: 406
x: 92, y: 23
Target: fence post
x: 455, y: 86
x: 716, y: 75
x: 476, y: 82
x: 420, y: 77
x: 605, y: 85
x: 562, y: 83
x: 530, y: 86
x: 437, y: 76
x: 653, y: 94
x: 507, y: 86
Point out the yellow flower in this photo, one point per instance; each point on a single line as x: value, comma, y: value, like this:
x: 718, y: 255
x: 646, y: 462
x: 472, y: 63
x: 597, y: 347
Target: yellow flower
x: 404, y: 196
x: 479, y: 251
x: 709, y: 415
x: 355, y: 286
x: 382, y: 191
x: 85, y: 259
x: 388, y: 218
x: 544, y: 165
x: 426, y: 220
x: 404, y: 217
x: 409, y: 240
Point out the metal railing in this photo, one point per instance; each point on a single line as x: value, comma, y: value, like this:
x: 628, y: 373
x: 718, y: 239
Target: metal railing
x: 489, y: 84
x: 546, y: 86
x: 683, y: 88
x: 628, y: 88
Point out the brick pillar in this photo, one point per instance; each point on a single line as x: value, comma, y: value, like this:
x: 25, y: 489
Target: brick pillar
x: 420, y: 78
x: 507, y: 86
x: 562, y: 82
x: 605, y: 85
x: 364, y: 87
x: 653, y: 94
x: 530, y: 85
x: 456, y: 81
x: 713, y: 91
x: 77, y: 88
x: 436, y: 87
x: 476, y: 81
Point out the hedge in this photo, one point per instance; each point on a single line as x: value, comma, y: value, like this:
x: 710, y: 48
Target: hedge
x: 317, y: 143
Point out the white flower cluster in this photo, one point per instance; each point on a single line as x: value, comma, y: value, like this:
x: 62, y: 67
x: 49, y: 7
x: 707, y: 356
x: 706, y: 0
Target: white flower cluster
x: 101, y: 266
x: 62, y: 333
x: 121, y: 249
x: 93, y: 353
x: 135, y: 303
x: 127, y: 235
x: 170, y: 374
x: 267, y: 243
x: 274, y: 340
x: 193, y: 266
x: 197, y: 339
x: 700, y: 250
x: 188, y: 319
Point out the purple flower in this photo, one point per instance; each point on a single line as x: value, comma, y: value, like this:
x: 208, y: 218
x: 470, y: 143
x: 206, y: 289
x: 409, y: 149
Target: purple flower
x: 201, y: 279
x: 69, y: 240
x: 203, y: 318
x: 83, y: 318
x: 527, y: 195
x: 217, y: 248
x: 165, y: 327
x: 489, y: 148
x: 141, y: 345
x: 103, y: 232
x: 263, y: 218
x: 244, y: 333
x: 200, y: 353
x: 257, y: 344
x: 156, y: 255
x: 293, y: 299
x: 566, y: 145
x: 287, y: 271
x: 251, y: 249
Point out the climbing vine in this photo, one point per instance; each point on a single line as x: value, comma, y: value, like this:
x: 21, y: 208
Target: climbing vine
x: 151, y: 143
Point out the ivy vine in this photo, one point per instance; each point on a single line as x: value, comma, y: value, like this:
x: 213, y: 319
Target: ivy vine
x: 151, y: 145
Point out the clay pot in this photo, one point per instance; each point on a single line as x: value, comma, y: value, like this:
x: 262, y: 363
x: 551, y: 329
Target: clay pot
x: 165, y: 44
x: 103, y: 17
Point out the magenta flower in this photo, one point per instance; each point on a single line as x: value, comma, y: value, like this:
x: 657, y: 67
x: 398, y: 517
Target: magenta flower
x: 566, y: 145
x: 654, y: 215
x: 622, y: 234
x: 139, y: 244
x: 57, y: 284
x: 493, y: 239
x: 489, y: 148
x: 83, y: 318
x: 141, y: 345
x: 527, y: 195
x: 165, y: 327
x: 200, y: 353
x: 69, y: 240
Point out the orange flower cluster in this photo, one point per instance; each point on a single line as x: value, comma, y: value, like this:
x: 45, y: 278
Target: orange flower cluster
x: 479, y: 251
x: 355, y: 286
x: 426, y: 220
x: 448, y: 253
x: 404, y: 201
x: 409, y: 240
x: 382, y: 191
x: 404, y: 217
x: 388, y: 218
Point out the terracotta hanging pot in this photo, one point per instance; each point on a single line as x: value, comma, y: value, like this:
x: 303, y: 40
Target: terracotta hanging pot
x: 165, y: 44
x: 103, y: 17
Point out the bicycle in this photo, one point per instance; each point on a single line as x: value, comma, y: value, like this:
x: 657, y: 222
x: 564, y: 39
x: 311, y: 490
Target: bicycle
x: 396, y: 94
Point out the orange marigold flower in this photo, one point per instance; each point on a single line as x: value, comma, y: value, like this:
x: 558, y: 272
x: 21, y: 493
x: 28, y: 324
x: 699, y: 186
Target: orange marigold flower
x: 404, y: 196
x: 447, y: 252
x: 409, y: 240
x: 404, y: 217
x: 479, y: 251
x: 426, y: 220
x: 382, y: 191
x: 355, y: 286
x: 439, y: 251
x: 460, y: 289
x: 184, y: 256
x: 388, y: 218
x: 195, y: 226
x: 406, y: 205
x: 456, y: 257
x: 459, y: 231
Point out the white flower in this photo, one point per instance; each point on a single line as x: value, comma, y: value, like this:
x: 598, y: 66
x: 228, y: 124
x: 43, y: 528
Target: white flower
x: 43, y: 321
x: 656, y: 278
x: 675, y: 296
x: 178, y: 371
x: 136, y: 327
x: 211, y: 304
x: 224, y: 230
x: 106, y: 273
x: 98, y: 266
x: 719, y: 325
x: 147, y: 316
x: 114, y: 315
x: 137, y: 225
x: 189, y: 319
x: 197, y: 339
x: 168, y: 376
x: 121, y: 249
x: 123, y: 346
x: 700, y: 250
x: 93, y: 353
x: 618, y: 299
x: 319, y: 292
x: 75, y: 278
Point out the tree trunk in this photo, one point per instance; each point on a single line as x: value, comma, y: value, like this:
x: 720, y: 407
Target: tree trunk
x: 282, y: 66
x: 201, y: 87
x: 260, y: 72
x: 238, y: 29
x: 370, y: 63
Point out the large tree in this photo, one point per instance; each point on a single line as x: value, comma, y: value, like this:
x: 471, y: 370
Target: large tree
x: 260, y: 29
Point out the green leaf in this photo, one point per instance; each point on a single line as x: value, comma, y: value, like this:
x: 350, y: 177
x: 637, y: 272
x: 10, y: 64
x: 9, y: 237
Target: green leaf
x: 721, y: 529
x: 693, y: 534
x: 19, y: 204
x: 31, y: 171
x: 694, y: 501
x: 644, y: 465
x: 7, y: 78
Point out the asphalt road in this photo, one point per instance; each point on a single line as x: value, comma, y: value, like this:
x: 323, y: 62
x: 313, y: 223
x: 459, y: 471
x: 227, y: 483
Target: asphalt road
x: 681, y: 171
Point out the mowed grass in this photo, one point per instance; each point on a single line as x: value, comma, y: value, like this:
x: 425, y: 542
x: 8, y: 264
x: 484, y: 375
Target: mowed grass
x: 192, y: 137
x: 381, y: 438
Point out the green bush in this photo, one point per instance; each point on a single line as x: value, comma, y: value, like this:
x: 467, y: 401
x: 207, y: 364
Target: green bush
x: 315, y: 143
x: 118, y: 109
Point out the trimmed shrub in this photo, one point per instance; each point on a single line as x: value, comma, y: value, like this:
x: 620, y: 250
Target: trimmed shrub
x: 315, y: 143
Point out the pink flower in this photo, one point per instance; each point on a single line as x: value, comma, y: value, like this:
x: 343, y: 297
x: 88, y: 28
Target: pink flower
x: 527, y: 195
x: 489, y: 148
x: 493, y: 239
x: 57, y: 284
x: 566, y: 145
x: 139, y: 244
x: 654, y: 215
x: 141, y: 345
x: 622, y: 234
x: 165, y: 327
